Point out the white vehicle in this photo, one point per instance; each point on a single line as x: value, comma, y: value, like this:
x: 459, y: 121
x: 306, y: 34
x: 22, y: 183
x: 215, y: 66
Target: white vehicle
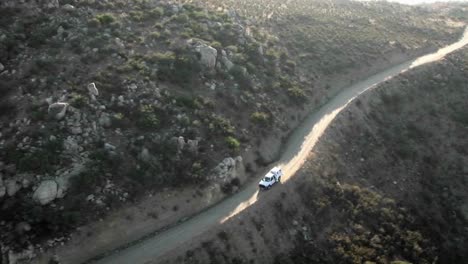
x: 272, y: 177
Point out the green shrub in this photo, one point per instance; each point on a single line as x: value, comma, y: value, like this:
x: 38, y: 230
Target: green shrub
x: 94, y: 23
x: 156, y: 12
x: 260, y: 117
x: 232, y: 143
x: 182, y: 18
x: 180, y: 67
x: 158, y: 26
x: 78, y: 100
x: 105, y: 19
x: 216, y: 45
x: 137, y: 16
x: 221, y: 125
x: 297, y: 94
x: 155, y: 35
x: 147, y: 118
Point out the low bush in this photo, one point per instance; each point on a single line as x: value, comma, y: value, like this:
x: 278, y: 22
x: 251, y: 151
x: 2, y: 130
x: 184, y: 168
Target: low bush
x: 43, y: 159
x: 147, y: 118
x: 78, y: 100
x: 260, y: 118
x: 155, y: 35
x: 106, y: 18
x: 297, y: 94
x: 232, y: 143
x: 240, y: 75
x: 156, y: 12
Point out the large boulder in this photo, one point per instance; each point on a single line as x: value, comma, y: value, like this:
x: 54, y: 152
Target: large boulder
x: 229, y: 169
x: 46, y: 192
x: 58, y: 110
x: 93, y: 91
x: 68, y: 8
x: 207, y: 54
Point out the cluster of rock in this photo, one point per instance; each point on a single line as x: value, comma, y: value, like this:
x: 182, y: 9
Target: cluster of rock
x: 209, y: 57
x: 230, y: 168
x: 189, y: 144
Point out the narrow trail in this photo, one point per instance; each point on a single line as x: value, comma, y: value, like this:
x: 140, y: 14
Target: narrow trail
x: 295, y: 154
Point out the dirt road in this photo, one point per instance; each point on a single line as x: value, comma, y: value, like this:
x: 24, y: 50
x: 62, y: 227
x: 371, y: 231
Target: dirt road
x: 295, y: 154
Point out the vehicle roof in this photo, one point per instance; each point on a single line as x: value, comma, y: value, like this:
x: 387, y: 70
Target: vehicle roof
x: 275, y: 169
x: 269, y: 175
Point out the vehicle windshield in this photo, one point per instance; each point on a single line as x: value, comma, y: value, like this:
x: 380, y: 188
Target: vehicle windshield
x: 267, y: 179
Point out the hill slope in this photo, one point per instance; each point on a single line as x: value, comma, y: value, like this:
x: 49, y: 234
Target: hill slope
x: 107, y: 103
x: 385, y: 184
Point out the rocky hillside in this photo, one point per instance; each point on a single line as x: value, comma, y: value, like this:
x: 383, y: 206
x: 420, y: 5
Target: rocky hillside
x: 103, y: 101
x: 386, y: 184
x: 334, y: 37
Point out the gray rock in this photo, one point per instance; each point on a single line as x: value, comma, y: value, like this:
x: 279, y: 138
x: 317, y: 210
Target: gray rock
x: 49, y: 100
x: 2, y: 191
x: 68, y: 8
x: 60, y: 31
x: 92, y: 89
x: 207, y: 53
x: 180, y: 143
x: 105, y: 120
x: 260, y: 50
x: 22, y: 227
x: 19, y: 257
x: 1, y: 67
x: 193, y: 145
x: 58, y: 110
x: 109, y: 147
x: 145, y: 155
x: 229, y: 168
x: 25, y: 183
x: 76, y: 130
x: 46, y: 192
x: 175, y: 9
x: 90, y: 198
x: 51, y: 4
x: 63, y: 181
x: 133, y: 87
x: 119, y: 43
x: 225, y: 62
x: 12, y: 187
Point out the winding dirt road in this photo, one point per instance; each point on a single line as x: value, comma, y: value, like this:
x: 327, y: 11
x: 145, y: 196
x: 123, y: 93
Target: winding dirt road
x: 295, y: 154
